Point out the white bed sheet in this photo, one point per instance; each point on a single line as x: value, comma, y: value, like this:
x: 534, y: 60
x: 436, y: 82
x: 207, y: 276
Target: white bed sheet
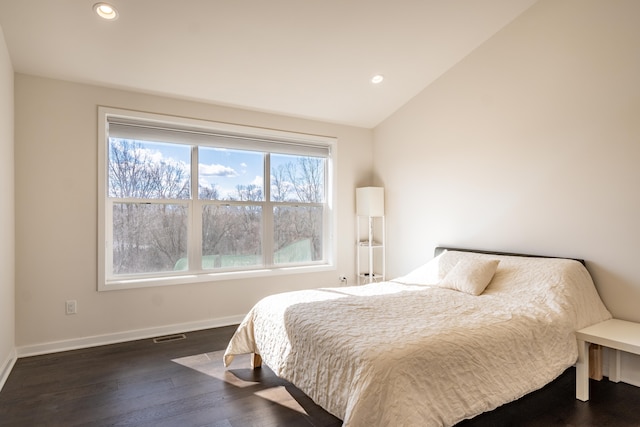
x: 396, y: 354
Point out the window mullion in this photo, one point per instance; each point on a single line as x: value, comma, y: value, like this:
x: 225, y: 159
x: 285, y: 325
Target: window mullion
x: 267, y: 215
x: 195, y: 214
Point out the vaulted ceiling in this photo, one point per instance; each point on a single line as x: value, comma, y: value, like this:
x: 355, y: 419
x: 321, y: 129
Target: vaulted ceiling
x: 304, y: 58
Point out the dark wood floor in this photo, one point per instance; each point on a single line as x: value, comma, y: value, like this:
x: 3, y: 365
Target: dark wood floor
x: 183, y: 383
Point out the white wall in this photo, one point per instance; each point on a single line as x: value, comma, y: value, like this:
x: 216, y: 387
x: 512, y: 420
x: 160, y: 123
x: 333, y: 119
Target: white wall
x: 7, y: 241
x: 56, y: 220
x: 530, y: 144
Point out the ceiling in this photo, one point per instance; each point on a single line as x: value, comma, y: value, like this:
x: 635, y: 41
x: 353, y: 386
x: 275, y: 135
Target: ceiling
x: 303, y: 58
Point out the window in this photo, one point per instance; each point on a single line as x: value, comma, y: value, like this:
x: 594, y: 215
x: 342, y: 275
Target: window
x: 187, y: 200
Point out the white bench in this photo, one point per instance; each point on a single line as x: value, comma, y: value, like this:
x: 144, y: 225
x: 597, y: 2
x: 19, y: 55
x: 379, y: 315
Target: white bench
x: 619, y: 335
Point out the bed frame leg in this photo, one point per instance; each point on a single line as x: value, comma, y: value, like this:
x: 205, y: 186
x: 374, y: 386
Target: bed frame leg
x: 256, y: 361
x: 595, y: 362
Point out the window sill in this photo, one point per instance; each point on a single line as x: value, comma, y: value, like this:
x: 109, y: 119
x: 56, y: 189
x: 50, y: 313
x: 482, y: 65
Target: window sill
x: 114, y: 285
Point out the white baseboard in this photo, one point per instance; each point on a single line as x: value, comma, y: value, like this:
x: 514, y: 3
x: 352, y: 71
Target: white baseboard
x: 6, y: 367
x: 118, y: 337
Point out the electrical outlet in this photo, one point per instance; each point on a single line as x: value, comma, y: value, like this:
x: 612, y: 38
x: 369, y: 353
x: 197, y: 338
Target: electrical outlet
x: 71, y: 306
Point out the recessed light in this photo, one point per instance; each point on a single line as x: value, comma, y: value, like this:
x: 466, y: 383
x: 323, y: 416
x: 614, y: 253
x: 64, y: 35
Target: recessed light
x: 106, y: 11
x: 378, y: 78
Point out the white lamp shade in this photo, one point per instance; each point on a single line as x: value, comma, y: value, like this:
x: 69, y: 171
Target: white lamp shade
x: 370, y: 201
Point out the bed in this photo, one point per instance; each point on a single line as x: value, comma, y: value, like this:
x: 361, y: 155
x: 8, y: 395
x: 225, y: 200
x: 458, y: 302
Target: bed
x: 462, y: 334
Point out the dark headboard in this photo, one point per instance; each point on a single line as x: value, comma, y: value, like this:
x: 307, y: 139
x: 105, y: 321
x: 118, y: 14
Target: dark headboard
x: 438, y: 250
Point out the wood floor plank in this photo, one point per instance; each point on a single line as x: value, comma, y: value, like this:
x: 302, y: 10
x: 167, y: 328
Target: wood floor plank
x: 184, y: 383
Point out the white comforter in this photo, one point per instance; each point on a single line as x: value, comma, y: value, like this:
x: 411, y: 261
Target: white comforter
x: 394, y: 354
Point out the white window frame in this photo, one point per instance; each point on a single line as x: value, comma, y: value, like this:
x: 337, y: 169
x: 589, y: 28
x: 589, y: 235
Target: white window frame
x: 105, y: 283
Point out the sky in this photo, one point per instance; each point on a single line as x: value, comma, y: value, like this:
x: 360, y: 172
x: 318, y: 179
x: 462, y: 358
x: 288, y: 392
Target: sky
x: 222, y: 168
x: 228, y: 168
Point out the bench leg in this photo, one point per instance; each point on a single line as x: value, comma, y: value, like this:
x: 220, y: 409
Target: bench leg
x: 614, y: 365
x: 582, y: 371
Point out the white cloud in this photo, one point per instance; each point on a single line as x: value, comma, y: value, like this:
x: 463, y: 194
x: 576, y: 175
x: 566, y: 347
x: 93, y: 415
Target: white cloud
x: 217, y: 170
x: 258, y: 181
x: 205, y: 184
x: 157, y: 157
x: 154, y: 155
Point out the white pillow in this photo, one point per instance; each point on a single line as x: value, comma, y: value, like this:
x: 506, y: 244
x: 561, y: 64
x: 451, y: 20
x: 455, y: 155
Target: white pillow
x: 470, y: 275
x: 426, y: 274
